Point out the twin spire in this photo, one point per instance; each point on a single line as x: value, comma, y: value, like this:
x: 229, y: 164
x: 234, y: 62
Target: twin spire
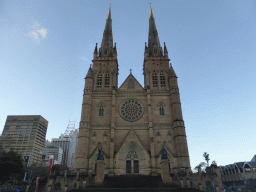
x: 106, y: 48
x: 153, y: 49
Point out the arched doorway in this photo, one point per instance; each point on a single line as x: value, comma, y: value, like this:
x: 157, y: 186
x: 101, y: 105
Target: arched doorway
x: 132, y: 161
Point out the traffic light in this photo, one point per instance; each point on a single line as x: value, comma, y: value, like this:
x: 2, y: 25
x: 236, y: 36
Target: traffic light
x: 26, y: 158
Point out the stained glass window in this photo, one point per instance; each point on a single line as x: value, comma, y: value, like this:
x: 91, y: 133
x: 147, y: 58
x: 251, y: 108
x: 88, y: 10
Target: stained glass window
x: 131, y: 109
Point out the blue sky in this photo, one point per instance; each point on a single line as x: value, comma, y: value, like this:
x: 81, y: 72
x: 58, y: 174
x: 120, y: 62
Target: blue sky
x: 46, y: 48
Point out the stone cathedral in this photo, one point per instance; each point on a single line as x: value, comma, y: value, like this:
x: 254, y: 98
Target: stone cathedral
x: 134, y: 128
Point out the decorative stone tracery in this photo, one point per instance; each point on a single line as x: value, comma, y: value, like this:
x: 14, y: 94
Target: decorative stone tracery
x: 131, y: 109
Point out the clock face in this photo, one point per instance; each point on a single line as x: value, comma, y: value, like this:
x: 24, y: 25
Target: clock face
x: 131, y: 109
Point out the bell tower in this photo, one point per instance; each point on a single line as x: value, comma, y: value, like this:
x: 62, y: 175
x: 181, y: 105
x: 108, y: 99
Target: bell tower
x: 102, y: 76
x: 105, y: 64
x: 159, y: 78
x: 156, y: 61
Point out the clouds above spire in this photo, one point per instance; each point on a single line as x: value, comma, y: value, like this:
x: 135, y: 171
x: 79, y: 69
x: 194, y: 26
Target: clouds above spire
x: 37, y: 32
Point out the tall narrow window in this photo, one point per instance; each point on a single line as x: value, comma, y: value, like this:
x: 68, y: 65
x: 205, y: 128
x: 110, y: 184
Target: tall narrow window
x: 161, y: 109
x: 101, y: 111
x: 154, y: 78
x: 105, y: 51
x: 107, y: 79
x: 162, y: 78
x: 99, y: 79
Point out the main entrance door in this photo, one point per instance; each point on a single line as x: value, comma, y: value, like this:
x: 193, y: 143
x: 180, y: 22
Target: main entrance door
x: 128, y: 167
x: 132, y: 166
x: 136, y: 166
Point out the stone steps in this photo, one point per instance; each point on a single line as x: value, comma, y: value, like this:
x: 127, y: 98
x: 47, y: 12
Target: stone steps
x: 137, y: 190
x: 135, y: 183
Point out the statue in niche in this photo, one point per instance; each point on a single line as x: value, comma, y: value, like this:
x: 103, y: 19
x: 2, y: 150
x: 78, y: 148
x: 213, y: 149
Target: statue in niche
x: 164, y: 153
x: 101, y: 154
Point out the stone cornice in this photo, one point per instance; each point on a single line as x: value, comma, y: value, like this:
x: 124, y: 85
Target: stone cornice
x: 140, y: 93
x: 134, y: 126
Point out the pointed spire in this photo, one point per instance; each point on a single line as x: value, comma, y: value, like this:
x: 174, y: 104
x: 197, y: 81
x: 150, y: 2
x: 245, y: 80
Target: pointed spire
x: 107, y: 40
x: 150, y: 12
x: 109, y: 12
x: 89, y: 73
x: 146, y: 47
x: 172, y: 72
x: 96, y: 50
x: 165, y: 50
x: 153, y: 40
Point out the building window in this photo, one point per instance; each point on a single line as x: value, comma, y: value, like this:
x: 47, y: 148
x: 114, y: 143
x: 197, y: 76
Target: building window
x: 162, y: 78
x: 107, y: 79
x: 101, y: 110
x: 161, y: 109
x: 99, y: 79
x: 247, y: 168
x: 105, y: 51
x: 154, y: 78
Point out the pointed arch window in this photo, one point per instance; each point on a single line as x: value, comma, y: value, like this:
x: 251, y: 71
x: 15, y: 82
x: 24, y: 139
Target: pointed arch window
x: 161, y: 109
x: 107, y: 78
x: 99, y: 79
x: 105, y: 51
x: 162, y: 78
x: 101, y: 110
x: 154, y: 79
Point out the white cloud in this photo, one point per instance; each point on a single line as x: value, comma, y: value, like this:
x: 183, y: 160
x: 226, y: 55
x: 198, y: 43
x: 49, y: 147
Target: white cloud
x: 42, y: 32
x: 83, y: 58
x: 38, y: 33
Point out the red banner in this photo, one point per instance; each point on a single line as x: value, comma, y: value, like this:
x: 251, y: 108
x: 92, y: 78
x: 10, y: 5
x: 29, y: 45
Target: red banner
x: 37, y: 184
x: 50, y: 165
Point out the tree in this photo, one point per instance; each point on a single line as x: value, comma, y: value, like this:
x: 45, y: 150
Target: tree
x: 214, y: 162
x: 12, y: 166
x: 35, y: 171
x: 206, y: 157
x: 59, y: 169
x: 200, y: 166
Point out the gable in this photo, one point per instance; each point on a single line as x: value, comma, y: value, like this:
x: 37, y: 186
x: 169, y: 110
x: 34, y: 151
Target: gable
x: 131, y: 139
x: 131, y: 84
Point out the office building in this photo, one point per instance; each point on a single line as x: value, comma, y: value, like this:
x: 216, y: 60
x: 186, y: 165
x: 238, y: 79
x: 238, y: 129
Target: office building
x: 25, y: 134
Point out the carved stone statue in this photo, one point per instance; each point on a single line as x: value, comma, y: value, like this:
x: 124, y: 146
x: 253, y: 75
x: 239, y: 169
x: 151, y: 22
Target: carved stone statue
x: 101, y: 154
x: 164, y: 153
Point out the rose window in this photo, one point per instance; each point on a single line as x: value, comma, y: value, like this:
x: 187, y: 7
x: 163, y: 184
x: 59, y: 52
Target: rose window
x: 131, y: 109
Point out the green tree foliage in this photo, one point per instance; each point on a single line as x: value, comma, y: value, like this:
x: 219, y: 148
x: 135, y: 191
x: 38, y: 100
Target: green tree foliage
x: 12, y: 166
x: 206, y: 157
x: 201, y: 166
x: 35, y: 171
x: 214, y: 162
x: 59, y: 169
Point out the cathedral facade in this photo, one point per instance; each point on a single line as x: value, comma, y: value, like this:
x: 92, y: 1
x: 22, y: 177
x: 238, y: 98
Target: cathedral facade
x: 134, y: 127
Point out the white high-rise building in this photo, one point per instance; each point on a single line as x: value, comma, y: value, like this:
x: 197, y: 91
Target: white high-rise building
x: 57, y: 152
x: 73, y: 136
x: 63, y: 142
